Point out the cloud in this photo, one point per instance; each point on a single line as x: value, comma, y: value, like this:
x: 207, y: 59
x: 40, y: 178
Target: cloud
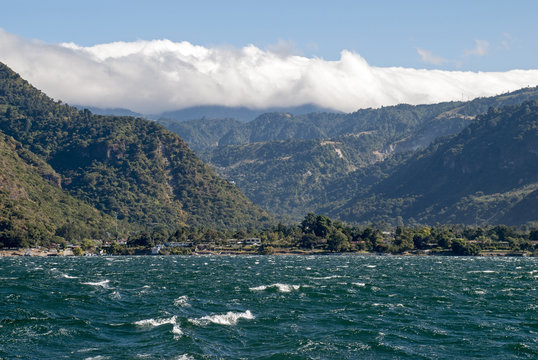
x: 430, y: 58
x: 506, y: 41
x: 160, y: 75
x: 481, y: 48
x: 283, y: 48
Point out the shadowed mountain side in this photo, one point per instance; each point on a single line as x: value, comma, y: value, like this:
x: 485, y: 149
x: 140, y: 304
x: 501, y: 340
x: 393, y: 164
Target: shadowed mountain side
x: 487, y: 173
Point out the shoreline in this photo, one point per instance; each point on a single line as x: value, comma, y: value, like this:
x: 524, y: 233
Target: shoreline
x: 37, y: 252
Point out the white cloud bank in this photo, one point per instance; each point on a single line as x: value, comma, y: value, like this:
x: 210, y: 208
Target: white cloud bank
x: 160, y: 75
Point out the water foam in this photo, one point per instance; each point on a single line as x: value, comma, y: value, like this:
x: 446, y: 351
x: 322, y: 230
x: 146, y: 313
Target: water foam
x: 182, y: 301
x: 69, y: 276
x: 230, y: 318
x: 151, y: 323
x: 156, y: 322
x: 103, y: 283
x: 184, y: 357
x: 281, y: 287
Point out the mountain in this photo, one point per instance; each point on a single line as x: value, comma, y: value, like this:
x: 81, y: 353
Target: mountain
x: 488, y: 173
x: 241, y: 113
x: 295, y: 164
x: 203, y: 133
x: 34, y: 206
x: 410, y: 127
x: 133, y: 167
x: 110, y: 111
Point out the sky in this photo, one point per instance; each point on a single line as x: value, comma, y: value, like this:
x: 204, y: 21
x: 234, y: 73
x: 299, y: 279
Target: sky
x: 152, y: 56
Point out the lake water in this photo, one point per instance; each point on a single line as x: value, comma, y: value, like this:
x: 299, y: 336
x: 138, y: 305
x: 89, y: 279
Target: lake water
x: 268, y: 307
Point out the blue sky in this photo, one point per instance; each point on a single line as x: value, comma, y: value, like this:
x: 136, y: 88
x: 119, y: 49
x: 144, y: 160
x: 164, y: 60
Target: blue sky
x: 385, y: 33
x: 342, y: 55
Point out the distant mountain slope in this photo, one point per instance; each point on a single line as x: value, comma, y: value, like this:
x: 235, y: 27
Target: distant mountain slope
x: 411, y: 126
x: 242, y: 114
x: 110, y: 111
x: 33, y: 206
x: 203, y: 133
x: 291, y: 164
x: 131, y: 166
x: 487, y: 173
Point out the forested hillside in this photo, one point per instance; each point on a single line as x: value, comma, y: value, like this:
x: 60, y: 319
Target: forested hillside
x: 33, y: 206
x: 133, y: 167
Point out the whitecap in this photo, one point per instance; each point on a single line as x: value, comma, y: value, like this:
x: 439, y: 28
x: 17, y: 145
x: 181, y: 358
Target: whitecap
x: 115, y: 295
x: 371, y: 266
x: 331, y: 277
x: 281, y: 287
x: 69, y: 276
x: 98, y: 357
x: 103, y: 283
x: 176, y: 330
x: 182, y: 301
x: 230, y: 318
x: 184, y: 357
x: 156, y: 322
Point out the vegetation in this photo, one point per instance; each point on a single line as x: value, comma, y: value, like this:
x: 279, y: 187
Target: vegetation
x: 127, y: 167
x: 33, y: 208
x: 320, y: 234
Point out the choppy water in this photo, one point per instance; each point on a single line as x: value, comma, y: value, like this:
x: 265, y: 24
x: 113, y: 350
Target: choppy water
x: 268, y: 307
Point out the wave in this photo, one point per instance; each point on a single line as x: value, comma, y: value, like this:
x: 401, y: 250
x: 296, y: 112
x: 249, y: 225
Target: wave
x: 230, y: 318
x: 69, y: 276
x: 280, y: 287
x: 182, y: 301
x: 103, y: 283
x: 151, y: 323
x: 156, y: 322
x: 184, y: 357
x: 328, y: 277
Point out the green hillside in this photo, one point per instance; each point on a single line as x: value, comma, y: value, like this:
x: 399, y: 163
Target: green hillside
x: 34, y: 207
x: 129, y: 166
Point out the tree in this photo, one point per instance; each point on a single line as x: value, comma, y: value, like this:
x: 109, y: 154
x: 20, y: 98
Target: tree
x: 307, y: 241
x: 463, y: 247
x: 338, y: 242
x: 143, y: 238
x: 320, y: 225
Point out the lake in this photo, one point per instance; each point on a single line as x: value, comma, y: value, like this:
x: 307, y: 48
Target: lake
x: 268, y: 307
